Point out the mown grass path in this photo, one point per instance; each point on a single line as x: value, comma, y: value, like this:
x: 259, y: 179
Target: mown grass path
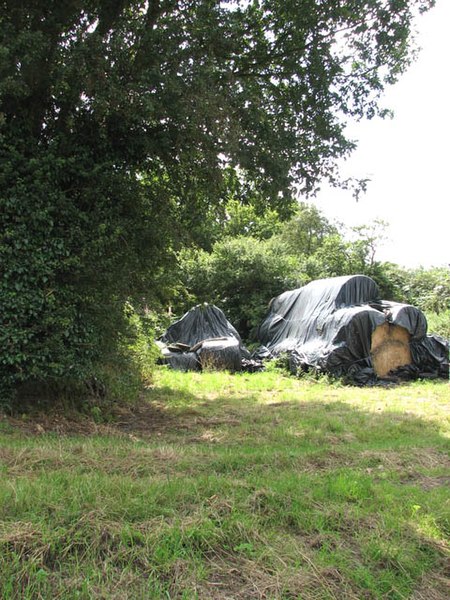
x: 222, y: 487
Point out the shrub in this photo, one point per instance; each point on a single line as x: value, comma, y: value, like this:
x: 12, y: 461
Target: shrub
x: 240, y: 275
x: 439, y: 323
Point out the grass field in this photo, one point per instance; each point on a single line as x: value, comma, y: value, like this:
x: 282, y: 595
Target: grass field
x: 222, y: 487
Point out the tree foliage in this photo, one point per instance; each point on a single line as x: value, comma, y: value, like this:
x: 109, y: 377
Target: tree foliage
x: 119, y: 120
x: 241, y: 273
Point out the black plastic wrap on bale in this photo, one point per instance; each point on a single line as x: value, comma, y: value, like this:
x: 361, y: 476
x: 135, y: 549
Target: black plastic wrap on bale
x: 431, y: 356
x: 220, y: 354
x: 303, y: 315
x: 181, y: 361
x: 202, y: 322
x: 328, y: 324
x: 204, y: 338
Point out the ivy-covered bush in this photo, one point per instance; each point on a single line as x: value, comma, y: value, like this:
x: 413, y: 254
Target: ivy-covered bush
x: 71, y: 252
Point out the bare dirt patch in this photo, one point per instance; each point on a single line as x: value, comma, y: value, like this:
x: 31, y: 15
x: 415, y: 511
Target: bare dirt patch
x: 427, y: 482
x: 245, y: 579
x: 434, y: 586
x: 146, y: 418
x: 425, y: 458
x: 142, y: 419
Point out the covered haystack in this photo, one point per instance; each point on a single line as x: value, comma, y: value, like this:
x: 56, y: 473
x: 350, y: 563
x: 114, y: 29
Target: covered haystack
x: 340, y: 326
x: 203, y: 338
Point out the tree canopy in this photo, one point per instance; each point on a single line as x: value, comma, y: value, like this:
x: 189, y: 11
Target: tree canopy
x: 120, y: 122
x: 263, y: 84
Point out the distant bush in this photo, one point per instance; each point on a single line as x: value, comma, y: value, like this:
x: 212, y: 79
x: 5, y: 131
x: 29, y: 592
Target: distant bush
x: 439, y: 323
x: 428, y: 289
x: 240, y: 275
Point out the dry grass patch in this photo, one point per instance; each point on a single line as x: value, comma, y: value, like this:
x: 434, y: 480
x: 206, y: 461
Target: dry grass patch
x: 434, y: 585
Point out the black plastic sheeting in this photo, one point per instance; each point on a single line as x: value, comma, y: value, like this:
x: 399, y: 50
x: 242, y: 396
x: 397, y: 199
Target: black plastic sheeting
x: 327, y: 325
x: 204, y: 338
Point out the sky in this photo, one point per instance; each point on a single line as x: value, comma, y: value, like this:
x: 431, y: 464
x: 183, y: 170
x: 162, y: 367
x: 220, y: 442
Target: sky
x: 406, y: 158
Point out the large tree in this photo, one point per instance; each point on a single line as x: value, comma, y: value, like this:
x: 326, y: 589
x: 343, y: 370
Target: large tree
x: 118, y: 120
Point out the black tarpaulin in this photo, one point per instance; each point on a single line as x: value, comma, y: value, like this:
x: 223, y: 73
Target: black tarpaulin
x: 328, y: 325
x: 203, y: 338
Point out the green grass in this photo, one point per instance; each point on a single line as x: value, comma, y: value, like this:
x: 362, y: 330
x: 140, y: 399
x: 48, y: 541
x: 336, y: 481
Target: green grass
x: 220, y: 486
